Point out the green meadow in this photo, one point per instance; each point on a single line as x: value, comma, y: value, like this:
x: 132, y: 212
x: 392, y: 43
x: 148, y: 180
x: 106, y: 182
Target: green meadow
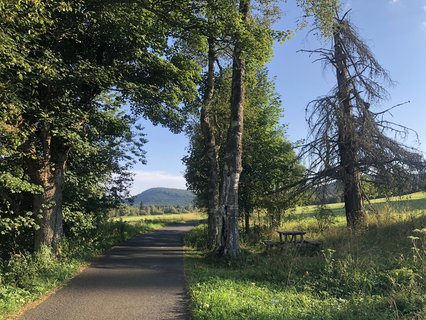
x: 378, y: 272
x: 161, y: 219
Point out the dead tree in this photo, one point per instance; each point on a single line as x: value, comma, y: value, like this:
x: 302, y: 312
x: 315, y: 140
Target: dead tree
x: 349, y: 141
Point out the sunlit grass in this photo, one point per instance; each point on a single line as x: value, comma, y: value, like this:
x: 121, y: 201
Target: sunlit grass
x: 410, y: 202
x: 163, y: 218
x: 377, y: 272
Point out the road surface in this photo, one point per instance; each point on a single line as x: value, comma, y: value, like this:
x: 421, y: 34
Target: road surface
x: 141, y: 279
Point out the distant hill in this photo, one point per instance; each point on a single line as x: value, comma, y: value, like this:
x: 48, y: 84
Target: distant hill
x: 164, y: 197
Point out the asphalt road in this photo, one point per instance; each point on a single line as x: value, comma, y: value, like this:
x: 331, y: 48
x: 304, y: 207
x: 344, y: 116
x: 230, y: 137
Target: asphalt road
x: 141, y: 279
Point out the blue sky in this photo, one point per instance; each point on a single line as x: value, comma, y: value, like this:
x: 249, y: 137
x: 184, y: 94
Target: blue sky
x: 395, y: 30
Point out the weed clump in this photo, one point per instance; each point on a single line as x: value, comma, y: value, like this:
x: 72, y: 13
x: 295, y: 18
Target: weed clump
x: 325, y: 218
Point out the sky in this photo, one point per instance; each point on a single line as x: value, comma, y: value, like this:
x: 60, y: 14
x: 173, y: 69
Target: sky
x: 395, y: 31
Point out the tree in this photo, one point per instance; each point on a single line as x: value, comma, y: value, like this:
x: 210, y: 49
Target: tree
x: 219, y: 30
x: 268, y: 161
x: 252, y: 32
x: 349, y: 141
x: 60, y: 57
x: 249, y: 39
x: 141, y: 208
x: 212, y: 147
x: 228, y: 244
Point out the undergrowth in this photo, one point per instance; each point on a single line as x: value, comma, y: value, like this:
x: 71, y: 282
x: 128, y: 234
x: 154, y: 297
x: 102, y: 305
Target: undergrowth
x: 376, y: 273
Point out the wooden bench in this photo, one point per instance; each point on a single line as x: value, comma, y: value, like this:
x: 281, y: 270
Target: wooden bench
x: 313, y: 243
x: 292, y: 238
x: 269, y: 244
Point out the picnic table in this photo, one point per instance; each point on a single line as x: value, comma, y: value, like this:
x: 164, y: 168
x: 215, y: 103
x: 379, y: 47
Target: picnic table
x: 291, y: 236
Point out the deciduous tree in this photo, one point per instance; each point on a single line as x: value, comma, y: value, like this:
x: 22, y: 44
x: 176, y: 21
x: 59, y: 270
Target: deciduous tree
x: 59, y: 58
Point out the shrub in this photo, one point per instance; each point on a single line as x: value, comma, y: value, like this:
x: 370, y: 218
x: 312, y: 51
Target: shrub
x: 197, y: 237
x: 325, y: 217
x: 23, y: 269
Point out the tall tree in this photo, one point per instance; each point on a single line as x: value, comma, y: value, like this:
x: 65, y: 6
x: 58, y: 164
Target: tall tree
x: 250, y: 39
x: 252, y: 45
x: 229, y: 238
x: 349, y: 140
x: 72, y: 53
x: 212, y: 148
x: 268, y: 160
x: 220, y: 28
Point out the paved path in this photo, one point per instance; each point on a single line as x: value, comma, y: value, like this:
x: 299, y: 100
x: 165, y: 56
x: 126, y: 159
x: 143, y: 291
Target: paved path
x: 141, y: 279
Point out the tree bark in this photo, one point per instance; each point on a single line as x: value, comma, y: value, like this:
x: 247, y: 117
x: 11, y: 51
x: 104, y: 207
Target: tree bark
x: 350, y: 175
x: 229, y: 238
x: 247, y: 221
x: 48, y: 172
x: 212, y: 150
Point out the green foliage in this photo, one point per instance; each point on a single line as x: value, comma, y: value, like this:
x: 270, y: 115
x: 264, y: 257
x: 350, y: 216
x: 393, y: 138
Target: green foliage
x: 127, y: 210
x: 325, y: 217
x: 269, y: 161
x: 79, y: 225
x: 67, y: 68
x: 323, y: 13
x: 26, y: 276
x: 22, y: 269
x: 197, y: 238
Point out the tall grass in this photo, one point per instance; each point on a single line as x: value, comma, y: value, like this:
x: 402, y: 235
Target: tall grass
x: 378, y: 272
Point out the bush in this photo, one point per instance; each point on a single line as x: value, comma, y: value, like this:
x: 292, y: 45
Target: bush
x: 33, y: 271
x: 197, y: 237
x: 325, y: 217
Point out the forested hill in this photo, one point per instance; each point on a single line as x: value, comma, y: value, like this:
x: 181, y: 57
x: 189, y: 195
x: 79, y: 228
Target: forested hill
x: 164, y: 197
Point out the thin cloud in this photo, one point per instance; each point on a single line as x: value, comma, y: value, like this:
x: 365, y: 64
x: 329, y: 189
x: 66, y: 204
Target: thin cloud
x: 424, y: 8
x: 144, y: 180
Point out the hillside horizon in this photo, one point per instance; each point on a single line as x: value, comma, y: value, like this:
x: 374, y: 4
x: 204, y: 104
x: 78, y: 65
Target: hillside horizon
x: 164, y: 197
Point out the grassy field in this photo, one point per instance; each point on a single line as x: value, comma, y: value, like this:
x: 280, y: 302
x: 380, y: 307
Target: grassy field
x: 376, y: 273
x: 162, y: 219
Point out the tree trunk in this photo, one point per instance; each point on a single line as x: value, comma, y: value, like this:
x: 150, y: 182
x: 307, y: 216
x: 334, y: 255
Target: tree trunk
x: 229, y: 239
x: 47, y: 171
x: 247, y: 221
x: 350, y: 175
x: 48, y: 209
x: 212, y: 151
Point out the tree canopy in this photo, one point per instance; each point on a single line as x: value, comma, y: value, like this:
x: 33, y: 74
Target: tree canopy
x: 60, y: 60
